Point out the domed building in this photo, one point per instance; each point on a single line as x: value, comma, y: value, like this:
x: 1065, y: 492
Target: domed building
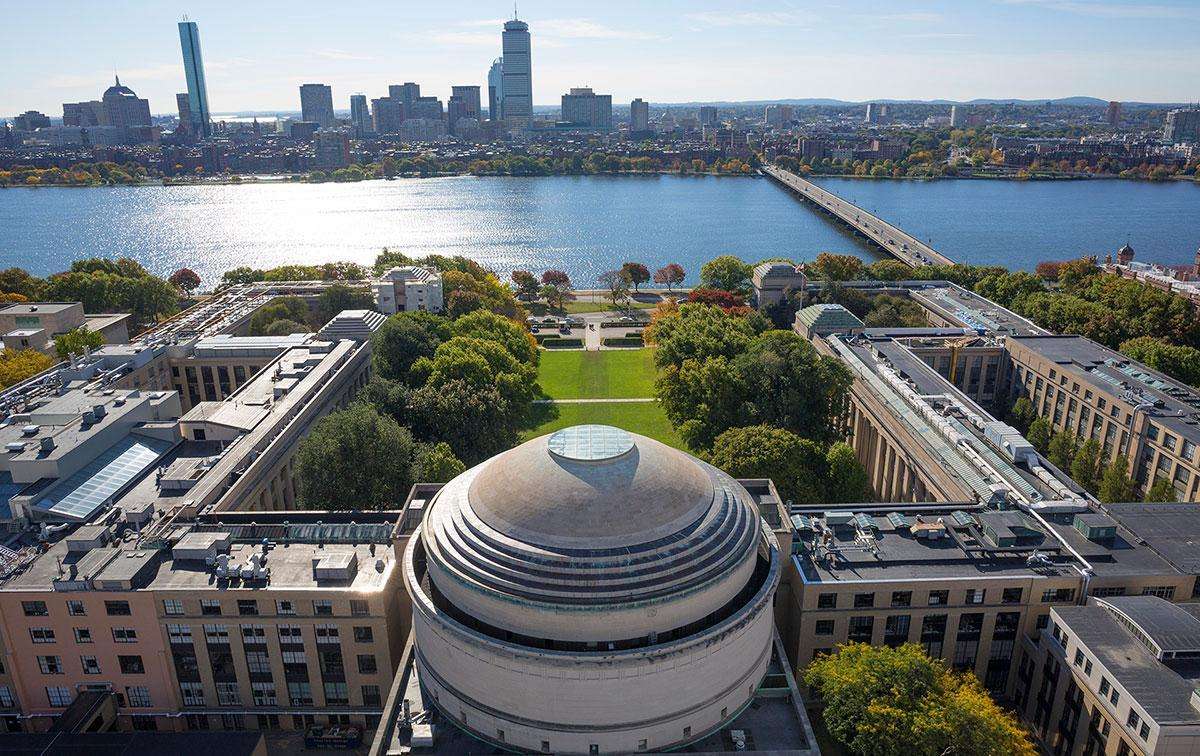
x: 592, y: 591
x: 123, y: 108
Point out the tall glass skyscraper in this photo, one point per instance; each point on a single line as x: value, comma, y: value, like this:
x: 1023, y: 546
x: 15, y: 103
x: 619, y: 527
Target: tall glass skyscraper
x: 518, y: 74
x: 496, y: 90
x: 193, y: 68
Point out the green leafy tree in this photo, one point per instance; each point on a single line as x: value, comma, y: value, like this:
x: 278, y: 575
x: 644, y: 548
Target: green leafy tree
x: 617, y: 284
x: 636, y: 273
x: 281, y: 308
x: 703, y: 398
x: 1062, y: 450
x: 831, y: 267
x: 389, y: 258
x: 760, y: 451
x: 1085, y: 468
x: 285, y: 327
x: 526, y: 284
x: 513, y: 336
x: 898, y: 702
x: 1180, y: 362
x: 1022, y: 414
x: 355, y: 459
x: 19, y: 281
x: 846, y: 479
x: 74, y: 342
x: 726, y: 272
x: 1162, y: 491
x: 18, y: 364
x: 1039, y: 434
x: 338, y: 298
x: 889, y: 270
x: 242, y: 275
x: 697, y: 331
x: 468, y: 287
x: 436, y: 463
x: 403, y: 339
x: 1115, y: 484
x: 441, y: 413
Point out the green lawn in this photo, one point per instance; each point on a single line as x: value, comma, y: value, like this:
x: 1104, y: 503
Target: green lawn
x: 589, y: 303
x: 615, y: 374
x: 645, y: 418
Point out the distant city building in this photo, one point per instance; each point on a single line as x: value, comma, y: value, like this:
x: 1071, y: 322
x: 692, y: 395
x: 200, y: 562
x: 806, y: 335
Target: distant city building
x: 425, y: 107
x: 469, y: 95
x: 31, y: 120
x: 332, y: 149
x: 406, y: 94
x: 408, y: 288
x: 877, y: 112
x: 193, y: 69
x: 184, y: 106
x: 496, y: 90
x: 584, y: 108
x: 1182, y: 125
x: 387, y: 114
x: 639, y: 116
x: 360, y: 117
x: 422, y: 129
x: 708, y: 115
x: 1113, y: 114
x: 316, y: 104
x: 778, y: 115
x: 302, y: 131
x: 957, y: 117
x: 90, y: 113
x: 123, y: 109
x: 517, y: 74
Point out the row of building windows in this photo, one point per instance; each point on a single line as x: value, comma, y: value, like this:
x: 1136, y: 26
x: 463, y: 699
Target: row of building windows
x: 130, y: 664
x: 75, y: 608
x: 250, y: 607
x: 972, y: 596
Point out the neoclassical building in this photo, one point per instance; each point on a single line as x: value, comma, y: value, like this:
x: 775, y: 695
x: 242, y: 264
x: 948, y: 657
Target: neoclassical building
x: 592, y: 591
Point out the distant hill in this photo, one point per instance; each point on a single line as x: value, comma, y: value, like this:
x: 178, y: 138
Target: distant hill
x: 827, y: 102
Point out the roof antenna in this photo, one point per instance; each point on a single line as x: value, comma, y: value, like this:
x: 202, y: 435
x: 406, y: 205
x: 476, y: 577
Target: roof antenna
x: 515, y: 18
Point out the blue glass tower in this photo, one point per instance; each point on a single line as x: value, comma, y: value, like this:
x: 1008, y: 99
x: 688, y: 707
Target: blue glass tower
x: 193, y: 67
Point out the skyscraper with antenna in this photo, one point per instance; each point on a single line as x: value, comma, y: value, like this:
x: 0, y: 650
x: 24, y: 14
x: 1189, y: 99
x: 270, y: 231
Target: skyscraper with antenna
x: 193, y: 68
x: 517, y: 74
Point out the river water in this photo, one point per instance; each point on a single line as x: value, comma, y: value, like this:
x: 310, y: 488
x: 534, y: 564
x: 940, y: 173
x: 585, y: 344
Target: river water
x: 582, y: 224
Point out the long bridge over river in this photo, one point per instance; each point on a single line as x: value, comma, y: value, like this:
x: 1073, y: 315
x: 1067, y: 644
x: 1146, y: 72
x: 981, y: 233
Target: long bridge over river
x: 903, y: 246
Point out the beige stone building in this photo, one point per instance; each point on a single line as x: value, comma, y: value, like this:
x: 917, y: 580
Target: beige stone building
x: 33, y: 325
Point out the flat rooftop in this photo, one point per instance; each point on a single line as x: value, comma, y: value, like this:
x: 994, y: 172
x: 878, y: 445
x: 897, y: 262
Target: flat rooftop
x: 1170, y: 530
x: 1172, y: 404
x: 37, y: 308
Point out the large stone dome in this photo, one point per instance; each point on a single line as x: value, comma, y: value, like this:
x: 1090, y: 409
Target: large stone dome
x: 538, y: 539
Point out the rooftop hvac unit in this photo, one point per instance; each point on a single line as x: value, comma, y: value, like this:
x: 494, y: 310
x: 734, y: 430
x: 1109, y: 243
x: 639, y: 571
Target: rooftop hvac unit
x: 14, y: 446
x: 47, y: 444
x: 30, y: 430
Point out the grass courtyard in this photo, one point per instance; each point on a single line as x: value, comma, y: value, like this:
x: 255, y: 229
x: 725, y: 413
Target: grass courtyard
x: 617, y: 374
x: 607, y: 374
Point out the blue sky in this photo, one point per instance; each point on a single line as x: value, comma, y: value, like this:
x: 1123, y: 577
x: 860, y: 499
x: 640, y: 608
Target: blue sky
x: 258, y: 52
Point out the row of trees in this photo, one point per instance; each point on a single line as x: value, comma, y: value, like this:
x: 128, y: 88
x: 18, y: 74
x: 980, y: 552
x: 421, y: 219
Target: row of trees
x: 79, y: 174
x: 434, y: 376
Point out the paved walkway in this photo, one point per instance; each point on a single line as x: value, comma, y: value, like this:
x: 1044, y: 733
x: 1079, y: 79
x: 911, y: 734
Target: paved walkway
x: 594, y: 401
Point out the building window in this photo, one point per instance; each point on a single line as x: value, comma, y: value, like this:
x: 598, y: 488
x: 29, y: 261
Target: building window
x: 1087, y: 668
x: 1058, y: 595
x: 1144, y: 731
x: 258, y: 662
x: 1105, y: 686
x: 247, y: 607
x: 124, y: 635
x: 895, y: 630
x: 35, y: 608
x: 6, y: 698
x: 642, y: 744
x: 976, y: 595
x: 323, y: 608
x: 192, y: 693
x: 300, y: 694
x: 196, y: 721
x: 50, y: 665
x: 359, y: 608
x: 285, y: 607
x: 131, y: 665
x: 117, y: 608
x: 254, y: 635
x: 901, y: 598
x: 1011, y: 596
x: 290, y: 634
x: 371, y: 696
x: 172, y: 607
x: 363, y: 634
x: 216, y: 634
x: 41, y: 635
x: 228, y: 694
x: 939, y: 598
x: 1078, y: 658
x: 1115, y: 697
x: 83, y: 635
x: 336, y: 694
x: 824, y: 627
x: 1162, y: 591
x: 75, y: 609
x: 179, y: 633
x: 59, y: 696
x: 210, y: 607
x: 90, y: 665
x: 366, y: 664
x: 860, y: 630
x: 545, y: 746
x: 1109, y: 591
x: 1133, y: 720
x: 137, y: 696
x: 264, y: 693
x: 1043, y: 621
x: 233, y: 722
x: 827, y: 601
x: 864, y: 600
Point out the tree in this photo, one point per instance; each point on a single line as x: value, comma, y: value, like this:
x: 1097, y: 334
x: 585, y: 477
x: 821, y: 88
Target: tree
x: 186, y: 279
x: 436, y: 463
x: 355, y: 459
x: 527, y: 285
x: 696, y: 331
x: 1039, y: 434
x: 442, y: 412
x: 1180, y: 362
x: 1162, y: 491
x: 388, y: 259
x: 17, y: 365
x: 1085, y: 468
x: 281, y: 308
x: 846, y: 479
x: 1022, y: 414
x: 618, y: 286
x: 557, y: 278
x: 74, y: 342
x: 285, y: 327
x: 19, y: 281
x: 403, y: 339
x: 725, y: 272
x: 1115, y: 484
x: 760, y: 451
x: 556, y: 296
x: 898, y: 702
x: 889, y: 270
x: 831, y: 267
x: 636, y: 273
x: 1061, y: 450
x: 670, y: 275
x: 726, y: 300
x: 513, y: 336
x: 340, y: 297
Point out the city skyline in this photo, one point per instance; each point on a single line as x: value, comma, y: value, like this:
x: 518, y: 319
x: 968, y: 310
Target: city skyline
x: 669, y: 53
